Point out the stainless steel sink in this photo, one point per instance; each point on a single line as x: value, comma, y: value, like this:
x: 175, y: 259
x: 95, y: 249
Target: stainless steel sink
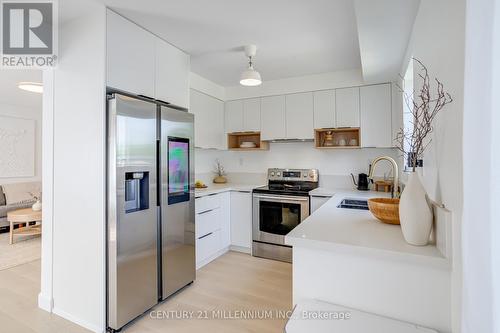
x: 360, y: 204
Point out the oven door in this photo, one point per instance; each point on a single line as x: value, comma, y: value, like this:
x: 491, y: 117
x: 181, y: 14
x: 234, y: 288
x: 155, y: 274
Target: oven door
x: 274, y: 216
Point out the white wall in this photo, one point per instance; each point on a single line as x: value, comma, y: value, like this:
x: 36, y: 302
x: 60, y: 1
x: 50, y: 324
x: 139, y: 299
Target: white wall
x: 291, y: 85
x: 494, y: 236
x: 77, y: 265
x: 438, y: 41
x: 340, y: 162
x: 208, y: 87
x: 26, y: 112
x: 481, y: 231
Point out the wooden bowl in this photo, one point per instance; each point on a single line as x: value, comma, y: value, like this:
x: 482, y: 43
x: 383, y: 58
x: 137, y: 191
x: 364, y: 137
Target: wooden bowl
x: 385, y: 209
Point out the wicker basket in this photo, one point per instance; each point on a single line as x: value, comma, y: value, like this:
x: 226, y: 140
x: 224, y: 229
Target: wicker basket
x: 385, y: 209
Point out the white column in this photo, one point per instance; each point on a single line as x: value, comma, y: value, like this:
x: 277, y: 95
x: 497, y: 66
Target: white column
x: 73, y: 246
x: 45, y: 300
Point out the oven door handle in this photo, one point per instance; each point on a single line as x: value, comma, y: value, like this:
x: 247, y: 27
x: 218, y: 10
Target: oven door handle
x: 289, y: 198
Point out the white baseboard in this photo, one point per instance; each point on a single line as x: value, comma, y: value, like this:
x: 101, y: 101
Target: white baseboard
x: 90, y: 326
x: 45, y: 303
x: 240, y: 249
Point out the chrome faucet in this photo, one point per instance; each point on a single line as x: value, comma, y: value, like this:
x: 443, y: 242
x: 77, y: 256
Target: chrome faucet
x: 395, y: 170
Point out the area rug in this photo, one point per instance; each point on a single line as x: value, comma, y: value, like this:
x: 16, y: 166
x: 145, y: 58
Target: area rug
x: 25, y: 249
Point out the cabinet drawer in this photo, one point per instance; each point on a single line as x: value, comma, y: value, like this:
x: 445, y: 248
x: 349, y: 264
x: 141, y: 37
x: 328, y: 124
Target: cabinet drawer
x: 207, y: 202
x: 207, y: 221
x: 207, y: 245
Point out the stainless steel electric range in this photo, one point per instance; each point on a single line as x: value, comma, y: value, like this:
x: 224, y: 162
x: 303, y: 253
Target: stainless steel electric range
x: 278, y: 208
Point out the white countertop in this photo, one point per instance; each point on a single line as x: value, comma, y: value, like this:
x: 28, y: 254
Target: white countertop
x: 220, y: 188
x: 323, y: 192
x: 356, y: 231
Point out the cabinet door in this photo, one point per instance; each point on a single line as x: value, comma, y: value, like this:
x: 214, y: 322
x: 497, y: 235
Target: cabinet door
x: 273, y: 118
x: 233, y: 115
x: 172, y: 74
x: 318, y: 201
x: 324, y: 109
x: 251, y: 115
x: 241, y: 219
x: 347, y: 107
x: 207, y: 247
x: 209, y: 120
x: 376, y: 116
x: 130, y: 52
x: 299, y: 116
x: 225, y: 208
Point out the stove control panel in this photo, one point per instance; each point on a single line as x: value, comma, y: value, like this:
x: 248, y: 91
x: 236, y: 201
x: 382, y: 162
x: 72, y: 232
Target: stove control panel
x: 309, y: 175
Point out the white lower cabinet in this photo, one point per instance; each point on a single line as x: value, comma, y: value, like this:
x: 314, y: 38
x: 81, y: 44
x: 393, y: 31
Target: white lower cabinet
x: 318, y: 201
x: 208, y: 221
x: 241, y: 221
x: 206, y: 247
x: 225, y: 218
x: 212, y: 227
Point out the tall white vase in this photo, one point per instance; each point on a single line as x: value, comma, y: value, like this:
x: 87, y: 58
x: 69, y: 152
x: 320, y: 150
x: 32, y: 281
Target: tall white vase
x: 415, y: 213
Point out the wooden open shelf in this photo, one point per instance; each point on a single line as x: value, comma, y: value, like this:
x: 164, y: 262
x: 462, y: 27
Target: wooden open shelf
x: 339, y: 136
x: 234, y: 141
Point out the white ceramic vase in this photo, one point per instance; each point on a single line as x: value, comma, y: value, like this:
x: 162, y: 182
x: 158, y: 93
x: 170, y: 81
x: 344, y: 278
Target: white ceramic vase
x: 415, y: 212
x: 37, y: 206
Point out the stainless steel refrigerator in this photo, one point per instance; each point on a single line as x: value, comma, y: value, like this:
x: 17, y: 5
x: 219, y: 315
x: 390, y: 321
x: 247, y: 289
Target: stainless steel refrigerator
x: 150, y: 205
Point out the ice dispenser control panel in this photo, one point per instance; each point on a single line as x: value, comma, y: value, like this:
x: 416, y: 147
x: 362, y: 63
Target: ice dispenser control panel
x: 136, y: 191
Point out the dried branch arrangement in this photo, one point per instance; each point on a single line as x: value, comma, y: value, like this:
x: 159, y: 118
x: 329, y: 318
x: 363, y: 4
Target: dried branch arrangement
x: 219, y: 169
x: 424, y: 108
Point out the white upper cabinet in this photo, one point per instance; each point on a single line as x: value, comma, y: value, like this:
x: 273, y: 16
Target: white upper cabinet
x: 299, y: 116
x: 130, y: 56
x: 347, y: 107
x: 140, y: 63
x: 242, y: 115
x: 273, y: 118
x: 172, y: 74
x: 233, y: 116
x: 251, y: 115
x: 376, y: 116
x: 324, y: 109
x: 209, y: 121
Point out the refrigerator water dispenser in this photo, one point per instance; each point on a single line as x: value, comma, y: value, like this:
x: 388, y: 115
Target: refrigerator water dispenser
x: 136, y: 191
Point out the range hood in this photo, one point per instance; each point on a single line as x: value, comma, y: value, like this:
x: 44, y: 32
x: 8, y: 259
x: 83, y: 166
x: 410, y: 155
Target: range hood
x: 290, y: 140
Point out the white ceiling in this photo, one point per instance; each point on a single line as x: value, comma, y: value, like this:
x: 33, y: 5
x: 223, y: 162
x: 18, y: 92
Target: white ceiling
x: 294, y: 37
x: 9, y: 92
x: 384, y: 28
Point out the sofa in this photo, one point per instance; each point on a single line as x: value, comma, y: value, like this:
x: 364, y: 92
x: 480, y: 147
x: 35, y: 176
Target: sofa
x: 16, y: 196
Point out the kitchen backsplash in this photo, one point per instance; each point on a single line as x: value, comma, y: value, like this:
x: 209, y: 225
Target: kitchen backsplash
x: 335, y: 166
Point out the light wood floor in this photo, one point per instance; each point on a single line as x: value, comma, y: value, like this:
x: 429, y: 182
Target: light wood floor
x: 232, y: 283
x: 19, y: 312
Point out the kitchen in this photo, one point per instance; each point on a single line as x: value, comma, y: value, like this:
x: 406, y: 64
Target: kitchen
x: 249, y: 182
x: 261, y: 212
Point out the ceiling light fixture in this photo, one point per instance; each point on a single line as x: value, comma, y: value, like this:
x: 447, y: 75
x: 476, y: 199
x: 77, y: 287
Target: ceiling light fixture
x: 31, y: 86
x: 250, y: 77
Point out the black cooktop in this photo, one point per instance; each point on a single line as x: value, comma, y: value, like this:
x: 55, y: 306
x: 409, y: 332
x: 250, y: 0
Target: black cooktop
x: 284, y: 188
